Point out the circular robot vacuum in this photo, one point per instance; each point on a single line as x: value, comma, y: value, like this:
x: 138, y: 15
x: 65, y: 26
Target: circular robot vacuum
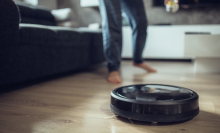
x: 155, y: 103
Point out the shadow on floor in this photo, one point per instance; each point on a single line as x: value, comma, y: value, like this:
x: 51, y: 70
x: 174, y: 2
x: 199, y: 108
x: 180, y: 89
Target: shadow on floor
x: 149, y: 123
x: 16, y: 86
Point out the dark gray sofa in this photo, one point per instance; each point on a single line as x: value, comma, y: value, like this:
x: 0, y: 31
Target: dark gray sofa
x: 31, y: 51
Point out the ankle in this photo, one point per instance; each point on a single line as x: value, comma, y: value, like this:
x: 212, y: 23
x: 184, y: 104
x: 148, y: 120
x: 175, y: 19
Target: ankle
x: 137, y: 64
x: 113, y: 72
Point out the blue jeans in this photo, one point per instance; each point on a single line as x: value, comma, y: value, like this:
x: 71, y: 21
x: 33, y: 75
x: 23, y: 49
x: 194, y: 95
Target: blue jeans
x: 111, y: 11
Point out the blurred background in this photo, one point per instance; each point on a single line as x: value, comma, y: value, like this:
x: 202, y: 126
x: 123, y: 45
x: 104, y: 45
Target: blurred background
x: 191, y: 34
x: 191, y: 12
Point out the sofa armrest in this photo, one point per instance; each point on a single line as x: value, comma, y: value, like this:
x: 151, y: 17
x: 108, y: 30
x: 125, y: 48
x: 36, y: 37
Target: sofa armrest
x: 9, y: 23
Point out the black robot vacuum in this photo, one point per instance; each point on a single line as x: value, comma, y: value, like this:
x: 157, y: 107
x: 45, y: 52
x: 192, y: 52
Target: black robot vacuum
x: 155, y: 103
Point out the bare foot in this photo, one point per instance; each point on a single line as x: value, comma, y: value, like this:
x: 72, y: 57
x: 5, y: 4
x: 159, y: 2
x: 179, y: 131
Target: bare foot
x: 145, y: 67
x: 114, y: 77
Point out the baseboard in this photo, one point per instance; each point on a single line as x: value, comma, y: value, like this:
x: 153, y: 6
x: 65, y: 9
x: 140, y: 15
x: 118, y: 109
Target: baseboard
x: 166, y: 59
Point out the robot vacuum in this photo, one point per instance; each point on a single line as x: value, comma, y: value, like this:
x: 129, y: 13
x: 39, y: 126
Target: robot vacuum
x: 155, y: 103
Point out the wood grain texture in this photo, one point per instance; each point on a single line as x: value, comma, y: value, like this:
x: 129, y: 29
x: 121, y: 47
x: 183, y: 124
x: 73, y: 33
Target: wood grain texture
x: 79, y: 103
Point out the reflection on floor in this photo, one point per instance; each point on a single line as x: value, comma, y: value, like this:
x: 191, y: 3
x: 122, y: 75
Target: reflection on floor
x: 79, y: 103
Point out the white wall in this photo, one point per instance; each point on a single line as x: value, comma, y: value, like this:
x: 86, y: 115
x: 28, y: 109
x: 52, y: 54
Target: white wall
x: 89, y: 3
x: 50, y: 4
x: 33, y: 2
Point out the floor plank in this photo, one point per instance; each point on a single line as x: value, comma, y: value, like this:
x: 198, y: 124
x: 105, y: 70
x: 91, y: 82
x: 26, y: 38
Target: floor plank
x: 80, y: 102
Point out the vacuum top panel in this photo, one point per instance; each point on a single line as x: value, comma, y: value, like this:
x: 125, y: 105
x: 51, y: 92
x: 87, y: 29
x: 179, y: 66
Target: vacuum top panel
x: 153, y: 93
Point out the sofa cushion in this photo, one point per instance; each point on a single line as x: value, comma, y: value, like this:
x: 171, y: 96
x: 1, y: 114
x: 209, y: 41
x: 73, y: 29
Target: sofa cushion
x: 31, y: 34
x: 57, y: 41
x: 48, y: 50
x: 62, y: 15
x: 62, y: 37
x: 36, y: 14
x: 37, y: 21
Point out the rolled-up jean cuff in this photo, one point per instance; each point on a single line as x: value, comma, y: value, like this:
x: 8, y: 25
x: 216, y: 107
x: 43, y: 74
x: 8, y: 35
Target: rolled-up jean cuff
x: 138, y: 62
x: 112, y: 69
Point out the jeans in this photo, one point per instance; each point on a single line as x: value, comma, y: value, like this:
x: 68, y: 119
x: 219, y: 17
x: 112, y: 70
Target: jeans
x: 111, y: 11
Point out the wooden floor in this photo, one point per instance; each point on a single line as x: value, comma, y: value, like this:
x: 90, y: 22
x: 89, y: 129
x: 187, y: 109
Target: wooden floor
x: 80, y: 103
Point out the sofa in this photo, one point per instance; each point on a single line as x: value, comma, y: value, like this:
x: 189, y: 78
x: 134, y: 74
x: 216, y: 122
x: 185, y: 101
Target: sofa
x: 33, y: 47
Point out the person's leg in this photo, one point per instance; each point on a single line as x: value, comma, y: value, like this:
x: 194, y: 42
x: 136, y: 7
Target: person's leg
x: 135, y: 12
x: 112, y: 36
